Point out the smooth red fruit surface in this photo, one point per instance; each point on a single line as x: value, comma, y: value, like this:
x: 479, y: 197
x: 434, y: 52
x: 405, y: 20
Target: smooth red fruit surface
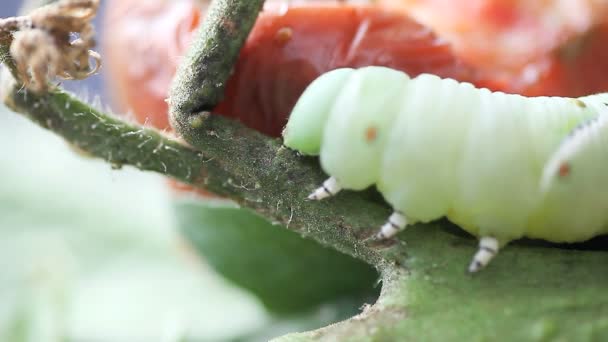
x: 505, y: 34
x: 291, y: 45
x: 142, y: 44
x: 287, y: 49
x: 578, y: 67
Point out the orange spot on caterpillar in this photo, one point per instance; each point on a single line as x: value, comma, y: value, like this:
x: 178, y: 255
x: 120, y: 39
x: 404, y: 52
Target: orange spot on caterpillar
x: 564, y: 170
x: 371, y: 133
x: 283, y: 36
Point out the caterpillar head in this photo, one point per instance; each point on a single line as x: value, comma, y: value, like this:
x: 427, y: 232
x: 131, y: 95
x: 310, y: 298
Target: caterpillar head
x: 579, y: 159
x: 307, y: 120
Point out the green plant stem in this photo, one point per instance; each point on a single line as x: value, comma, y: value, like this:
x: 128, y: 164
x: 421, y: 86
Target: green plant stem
x: 260, y: 173
x: 237, y: 162
x: 201, y: 77
x: 105, y: 136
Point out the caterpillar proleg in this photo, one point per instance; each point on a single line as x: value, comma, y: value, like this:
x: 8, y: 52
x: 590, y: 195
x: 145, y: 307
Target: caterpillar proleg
x: 500, y: 166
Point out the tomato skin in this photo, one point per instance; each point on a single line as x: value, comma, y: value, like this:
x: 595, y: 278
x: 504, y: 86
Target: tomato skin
x: 505, y: 34
x: 554, y: 48
x: 286, y: 50
x: 577, y: 68
x: 291, y: 46
x: 142, y: 44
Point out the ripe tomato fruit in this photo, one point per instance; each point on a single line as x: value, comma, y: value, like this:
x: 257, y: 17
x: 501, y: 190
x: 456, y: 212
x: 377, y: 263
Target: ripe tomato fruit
x: 507, y: 34
x: 527, y: 47
x: 578, y: 67
x: 287, y: 49
x: 142, y: 44
x: 291, y: 45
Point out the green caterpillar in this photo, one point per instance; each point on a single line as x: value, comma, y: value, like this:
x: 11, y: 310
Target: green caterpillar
x: 500, y: 166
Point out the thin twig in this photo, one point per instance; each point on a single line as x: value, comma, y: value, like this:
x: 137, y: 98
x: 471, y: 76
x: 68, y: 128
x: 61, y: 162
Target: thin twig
x: 201, y: 78
x: 242, y: 155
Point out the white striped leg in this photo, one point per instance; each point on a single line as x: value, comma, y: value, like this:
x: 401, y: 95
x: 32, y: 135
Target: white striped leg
x: 329, y: 188
x: 488, y: 248
x: 395, y: 223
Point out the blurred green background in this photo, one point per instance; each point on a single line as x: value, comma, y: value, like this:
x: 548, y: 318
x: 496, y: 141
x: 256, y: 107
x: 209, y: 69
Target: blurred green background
x: 90, y: 253
x: 87, y: 251
x: 93, y: 254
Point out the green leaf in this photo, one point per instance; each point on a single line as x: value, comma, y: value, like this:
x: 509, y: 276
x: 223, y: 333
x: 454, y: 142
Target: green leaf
x: 530, y: 292
x: 288, y: 273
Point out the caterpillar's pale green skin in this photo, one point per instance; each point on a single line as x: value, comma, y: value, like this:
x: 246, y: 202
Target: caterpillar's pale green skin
x: 500, y: 166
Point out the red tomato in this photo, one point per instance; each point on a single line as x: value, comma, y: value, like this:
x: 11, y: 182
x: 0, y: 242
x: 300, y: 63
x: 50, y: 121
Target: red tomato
x: 287, y: 49
x: 290, y: 46
x: 143, y: 41
x: 577, y: 68
x: 505, y: 34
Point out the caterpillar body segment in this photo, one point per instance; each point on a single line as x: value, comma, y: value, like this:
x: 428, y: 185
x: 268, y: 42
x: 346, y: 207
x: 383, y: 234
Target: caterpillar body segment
x: 500, y: 166
x: 574, y: 180
x: 364, y: 138
x: 305, y: 130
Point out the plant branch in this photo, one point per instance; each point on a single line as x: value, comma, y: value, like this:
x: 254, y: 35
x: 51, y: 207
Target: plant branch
x: 239, y: 163
x: 201, y: 78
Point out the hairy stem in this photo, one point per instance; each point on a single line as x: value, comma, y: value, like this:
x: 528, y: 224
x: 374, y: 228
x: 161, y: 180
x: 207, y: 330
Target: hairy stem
x: 236, y: 162
x: 201, y: 78
x: 239, y: 163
